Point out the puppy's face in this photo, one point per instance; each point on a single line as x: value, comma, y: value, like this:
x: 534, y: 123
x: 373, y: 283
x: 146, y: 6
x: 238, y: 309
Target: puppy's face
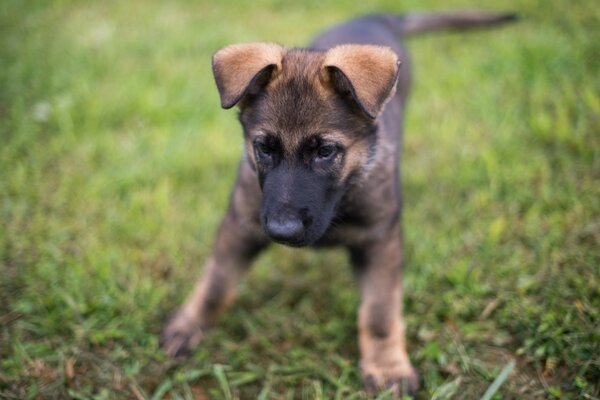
x: 309, y: 129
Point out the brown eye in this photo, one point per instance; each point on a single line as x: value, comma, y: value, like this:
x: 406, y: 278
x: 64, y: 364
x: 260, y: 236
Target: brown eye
x: 262, y: 149
x: 326, y: 151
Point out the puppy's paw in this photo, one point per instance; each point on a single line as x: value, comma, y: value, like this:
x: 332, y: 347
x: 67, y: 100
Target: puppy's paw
x: 181, y: 334
x: 401, y: 379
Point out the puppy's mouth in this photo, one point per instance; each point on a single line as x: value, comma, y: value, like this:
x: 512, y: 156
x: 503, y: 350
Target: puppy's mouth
x: 292, y: 243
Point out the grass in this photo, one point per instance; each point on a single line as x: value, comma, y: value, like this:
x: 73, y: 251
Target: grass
x: 116, y: 163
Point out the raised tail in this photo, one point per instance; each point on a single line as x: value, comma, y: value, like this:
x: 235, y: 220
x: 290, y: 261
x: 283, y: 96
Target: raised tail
x: 417, y: 23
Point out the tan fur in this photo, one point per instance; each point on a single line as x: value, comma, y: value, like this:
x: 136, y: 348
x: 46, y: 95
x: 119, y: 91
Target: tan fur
x: 310, y: 67
x: 356, y: 156
x: 297, y: 103
x: 304, y: 66
x: 372, y: 71
x: 235, y: 66
x: 294, y: 103
x: 380, y: 324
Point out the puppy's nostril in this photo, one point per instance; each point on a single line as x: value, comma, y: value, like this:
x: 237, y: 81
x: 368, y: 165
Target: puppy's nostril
x: 285, y: 230
x: 306, y: 218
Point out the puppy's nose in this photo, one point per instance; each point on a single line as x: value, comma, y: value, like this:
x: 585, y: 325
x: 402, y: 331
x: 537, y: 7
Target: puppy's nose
x: 285, y: 230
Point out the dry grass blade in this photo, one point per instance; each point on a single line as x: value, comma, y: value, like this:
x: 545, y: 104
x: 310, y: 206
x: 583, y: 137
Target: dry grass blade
x: 498, y: 381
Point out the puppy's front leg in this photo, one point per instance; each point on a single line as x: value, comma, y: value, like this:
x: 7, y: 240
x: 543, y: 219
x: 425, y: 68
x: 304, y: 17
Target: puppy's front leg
x: 234, y: 249
x: 384, y: 362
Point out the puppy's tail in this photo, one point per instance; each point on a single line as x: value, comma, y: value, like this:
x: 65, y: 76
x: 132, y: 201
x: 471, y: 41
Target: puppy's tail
x: 417, y: 23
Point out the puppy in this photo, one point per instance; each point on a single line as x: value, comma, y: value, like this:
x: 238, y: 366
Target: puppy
x: 322, y: 129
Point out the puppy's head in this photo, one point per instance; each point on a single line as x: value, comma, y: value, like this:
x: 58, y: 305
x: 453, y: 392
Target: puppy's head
x: 309, y: 120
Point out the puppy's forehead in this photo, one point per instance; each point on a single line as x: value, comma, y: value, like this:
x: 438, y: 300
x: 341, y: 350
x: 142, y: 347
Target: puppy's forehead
x: 300, y: 64
x: 296, y: 103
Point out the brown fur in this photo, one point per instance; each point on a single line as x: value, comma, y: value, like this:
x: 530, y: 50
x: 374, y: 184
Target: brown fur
x: 235, y: 66
x: 371, y: 70
x: 293, y: 104
x: 300, y: 96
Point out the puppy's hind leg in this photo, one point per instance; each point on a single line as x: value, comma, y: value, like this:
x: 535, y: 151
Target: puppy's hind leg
x: 234, y: 250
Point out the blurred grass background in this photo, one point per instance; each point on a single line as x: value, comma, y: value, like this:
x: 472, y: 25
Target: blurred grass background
x: 116, y: 164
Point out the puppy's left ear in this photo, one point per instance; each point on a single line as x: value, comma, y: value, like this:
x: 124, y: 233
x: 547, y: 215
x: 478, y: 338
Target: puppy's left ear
x: 369, y: 73
x: 241, y: 68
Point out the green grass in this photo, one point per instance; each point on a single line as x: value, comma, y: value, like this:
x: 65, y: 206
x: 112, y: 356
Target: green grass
x: 116, y: 163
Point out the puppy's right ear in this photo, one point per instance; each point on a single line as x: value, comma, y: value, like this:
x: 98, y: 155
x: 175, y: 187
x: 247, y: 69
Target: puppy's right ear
x: 240, y: 68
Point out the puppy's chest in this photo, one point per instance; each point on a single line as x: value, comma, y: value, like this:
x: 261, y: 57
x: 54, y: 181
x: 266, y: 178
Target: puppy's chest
x: 346, y: 234
x: 354, y: 224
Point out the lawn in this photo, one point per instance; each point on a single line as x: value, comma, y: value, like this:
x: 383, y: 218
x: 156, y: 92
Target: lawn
x: 116, y: 163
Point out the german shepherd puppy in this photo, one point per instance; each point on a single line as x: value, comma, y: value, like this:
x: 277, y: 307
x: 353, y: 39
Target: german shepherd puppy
x: 322, y: 129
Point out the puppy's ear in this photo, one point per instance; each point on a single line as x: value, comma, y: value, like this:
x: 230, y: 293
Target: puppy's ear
x: 368, y: 73
x: 239, y: 68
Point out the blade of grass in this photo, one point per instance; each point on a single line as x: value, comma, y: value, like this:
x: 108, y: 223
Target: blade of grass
x: 498, y: 381
x: 162, y: 389
x: 219, y: 373
x: 447, y: 390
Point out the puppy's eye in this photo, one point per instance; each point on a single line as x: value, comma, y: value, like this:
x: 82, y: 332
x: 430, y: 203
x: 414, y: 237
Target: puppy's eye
x: 326, y: 151
x: 263, y: 149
